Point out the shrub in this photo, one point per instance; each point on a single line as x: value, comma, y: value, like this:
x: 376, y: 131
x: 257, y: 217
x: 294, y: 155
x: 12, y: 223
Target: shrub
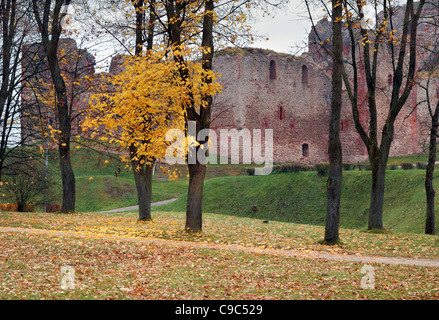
x: 393, y: 167
x: 322, y: 169
x: 8, y: 207
x: 407, y: 166
x: 366, y: 167
x: 53, y: 207
x: 27, y: 208
x: 14, y: 207
x: 421, y: 165
x: 291, y: 167
x: 348, y: 166
x: 250, y: 171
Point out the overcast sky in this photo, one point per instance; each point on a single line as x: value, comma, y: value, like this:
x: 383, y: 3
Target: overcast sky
x: 287, y: 29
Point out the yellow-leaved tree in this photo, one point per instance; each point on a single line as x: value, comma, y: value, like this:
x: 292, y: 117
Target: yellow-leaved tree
x: 137, y: 107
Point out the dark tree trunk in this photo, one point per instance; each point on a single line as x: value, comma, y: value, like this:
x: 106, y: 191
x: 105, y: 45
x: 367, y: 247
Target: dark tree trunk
x: 141, y: 170
x: 50, y: 45
x: 377, y: 193
x: 65, y: 128
x: 143, y: 179
x: 175, y: 11
x: 197, y: 173
x: 67, y: 177
x: 429, y: 189
x: 378, y: 159
x: 20, y: 207
x: 333, y: 187
x: 403, y: 71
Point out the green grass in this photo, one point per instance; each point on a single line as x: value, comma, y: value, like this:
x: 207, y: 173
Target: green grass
x: 301, y: 198
x: 408, y: 159
x: 108, y: 192
x: 405, y: 159
x: 104, y: 183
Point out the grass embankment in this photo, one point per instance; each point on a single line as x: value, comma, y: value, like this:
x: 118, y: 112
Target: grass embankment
x: 292, y: 197
x: 301, y: 198
x: 104, y: 183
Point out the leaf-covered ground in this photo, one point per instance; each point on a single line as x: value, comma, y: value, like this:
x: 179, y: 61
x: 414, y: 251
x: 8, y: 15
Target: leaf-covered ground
x: 108, y: 268
x: 231, y: 230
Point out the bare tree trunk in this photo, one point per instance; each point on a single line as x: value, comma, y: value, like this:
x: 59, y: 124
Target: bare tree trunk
x: 379, y: 152
x: 197, y: 171
x: 334, y: 183
x: 143, y: 179
x: 50, y: 45
x: 67, y: 176
x: 65, y: 128
x: 377, y: 194
x: 141, y: 170
x: 429, y: 173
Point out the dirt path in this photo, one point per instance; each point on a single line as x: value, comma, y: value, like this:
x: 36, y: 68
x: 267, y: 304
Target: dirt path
x: 275, y: 252
x: 133, y: 208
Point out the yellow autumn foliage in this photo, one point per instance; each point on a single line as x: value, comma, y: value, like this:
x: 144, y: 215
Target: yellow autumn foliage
x: 148, y: 98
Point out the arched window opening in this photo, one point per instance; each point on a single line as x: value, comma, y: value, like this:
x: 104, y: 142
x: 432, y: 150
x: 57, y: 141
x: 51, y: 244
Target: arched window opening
x: 281, y: 110
x: 304, y: 75
x: 272, y: 70
x: 305, y: 150
x: 341, y: 125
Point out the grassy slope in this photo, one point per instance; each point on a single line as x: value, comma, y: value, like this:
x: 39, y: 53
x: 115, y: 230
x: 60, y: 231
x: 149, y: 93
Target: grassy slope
x: 301, y: 198
x: 109, y: 190
x: 294, y: 197
x: 102, y: 183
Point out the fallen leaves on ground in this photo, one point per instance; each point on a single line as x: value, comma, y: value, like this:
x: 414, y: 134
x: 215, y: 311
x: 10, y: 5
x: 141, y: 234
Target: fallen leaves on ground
x: 111, y: 269
x: 230, y: 230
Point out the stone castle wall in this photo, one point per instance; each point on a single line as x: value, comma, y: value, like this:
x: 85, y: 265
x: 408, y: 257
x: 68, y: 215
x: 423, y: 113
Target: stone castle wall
x: 291, y: 95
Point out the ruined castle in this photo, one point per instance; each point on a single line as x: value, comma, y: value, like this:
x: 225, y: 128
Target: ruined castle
x: 291, y: 95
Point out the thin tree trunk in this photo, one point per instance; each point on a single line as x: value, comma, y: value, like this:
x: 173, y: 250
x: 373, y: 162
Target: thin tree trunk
x: 333, y: 186
x: 429, y: 189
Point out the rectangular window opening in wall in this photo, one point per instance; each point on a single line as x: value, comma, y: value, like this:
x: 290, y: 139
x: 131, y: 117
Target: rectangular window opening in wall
x: 304, y: 75
x: 273, y: 74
